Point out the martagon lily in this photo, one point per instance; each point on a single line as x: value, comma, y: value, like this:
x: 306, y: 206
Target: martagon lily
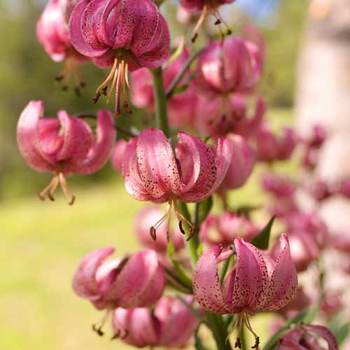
x: 257, y: 281
x: 63, y: 146
x: 121, y: 34
x: 191, y: 172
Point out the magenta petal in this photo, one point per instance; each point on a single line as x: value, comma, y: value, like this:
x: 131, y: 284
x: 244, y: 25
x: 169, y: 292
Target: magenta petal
x: 84, y: 280
x: 157, y: 164
x: 77, y: 137
x: 101, y: 150
x: 325, y: 334
x: 250, y: 277
x: 132, y: 286
x: 206, y: 282
x: 284, y: 281
x: 201, y: 158
x: 224, y: 152
x: 138, y: 325
x: 27, y: 137
x: 133, y: 183
x: 80, y: 27
x: 178, y: 323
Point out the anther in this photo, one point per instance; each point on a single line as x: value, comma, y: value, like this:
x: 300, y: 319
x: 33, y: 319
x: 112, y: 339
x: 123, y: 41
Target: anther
x: 96, y: 97
x: 116, y: 335
x: 64, y: 88
x: 217, y: 22
x: 257, y: 343
x: 59, y: 77
x: 98, y: 330
x: 153, y: 233
x: 238, y: 343
x: 181, y: 228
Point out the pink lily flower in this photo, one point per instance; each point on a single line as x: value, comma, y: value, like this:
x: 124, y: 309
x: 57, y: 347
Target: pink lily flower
x: 153, y: 171
x: 122, y: 34
x: 301, y: 302
x: 224, y: 229
x: 307, y: 337
x: 63, y: 146
x: 181, y: 107
x: 278, y: 185
x: 257, y: 281
x: 231, y: 66
x: 137, y: 281
x: 170, y: 324
x: 145, y: 219
x: 271, y: 148
x: 206, y: 7
x: 52, y: 32
x: 225, y: 114
x: 241, y: 165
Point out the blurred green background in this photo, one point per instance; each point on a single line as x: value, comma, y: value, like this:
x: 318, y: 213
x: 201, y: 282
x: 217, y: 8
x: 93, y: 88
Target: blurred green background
x: 41, y: 243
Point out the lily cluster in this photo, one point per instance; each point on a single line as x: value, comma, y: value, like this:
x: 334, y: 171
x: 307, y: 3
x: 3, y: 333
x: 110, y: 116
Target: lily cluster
x: 204, y: 130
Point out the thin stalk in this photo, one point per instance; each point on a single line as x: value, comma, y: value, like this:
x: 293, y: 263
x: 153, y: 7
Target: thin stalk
x: 161, y: 101
x: 217, y: 327
x: 181, y: 74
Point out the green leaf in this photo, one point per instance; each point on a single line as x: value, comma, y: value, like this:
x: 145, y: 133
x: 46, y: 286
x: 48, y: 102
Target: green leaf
x: 181, y: 275
x: 340, y: 330
x: 261, y: 241
x: 306, y: 316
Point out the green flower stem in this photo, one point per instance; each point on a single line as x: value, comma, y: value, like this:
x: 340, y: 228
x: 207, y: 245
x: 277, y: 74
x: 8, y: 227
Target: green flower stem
x: 161, y: 101
x: 217, y: 326
x: 214, y: 322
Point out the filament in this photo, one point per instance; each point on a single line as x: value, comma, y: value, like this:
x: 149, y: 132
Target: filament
x: 199, y: 23
x: 98, y: 327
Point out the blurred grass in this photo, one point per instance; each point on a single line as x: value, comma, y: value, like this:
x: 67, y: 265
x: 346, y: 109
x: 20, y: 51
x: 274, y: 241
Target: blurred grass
x: 41, y: 244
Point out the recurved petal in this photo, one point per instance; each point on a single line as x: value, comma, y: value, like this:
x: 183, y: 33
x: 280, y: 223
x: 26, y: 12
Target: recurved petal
x: 77, y: 141
x: 84, y: 280
x: 250, y: 277
x: 103, y: 143
x: 206, y: 283
x: 140, y: 283
x: 223, y: 155
x: 157, y: 164
x: 27, y: 136
x: 178, y: 323
x: 283, y: 281
x: 81, y: 27
x: 133, y: 183
x: 138, y: 326
x: 325, y: 334
x: 198, y: 168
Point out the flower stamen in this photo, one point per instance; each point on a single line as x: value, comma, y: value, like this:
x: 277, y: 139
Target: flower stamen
x: 199, y: 23
x: 98, y: 327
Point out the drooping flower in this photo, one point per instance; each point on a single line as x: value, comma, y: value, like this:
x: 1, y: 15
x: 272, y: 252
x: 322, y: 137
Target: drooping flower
x: 153, y: 171
x: 229, y: 66
x: 241, y: 165
x: 256, y: 282
x: 170, y: 324
x: 308, y: 337
x: 181, y: 107
x: 223, y: 229
x: 271, y: 147
x: 225, y: 114
x: 52, y: 32
x: 278, y: 185
x: 145, y: 220
x: 136, y: 281
x: 122, y: 34
x: 206, y: 7
x: 64, y: 145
